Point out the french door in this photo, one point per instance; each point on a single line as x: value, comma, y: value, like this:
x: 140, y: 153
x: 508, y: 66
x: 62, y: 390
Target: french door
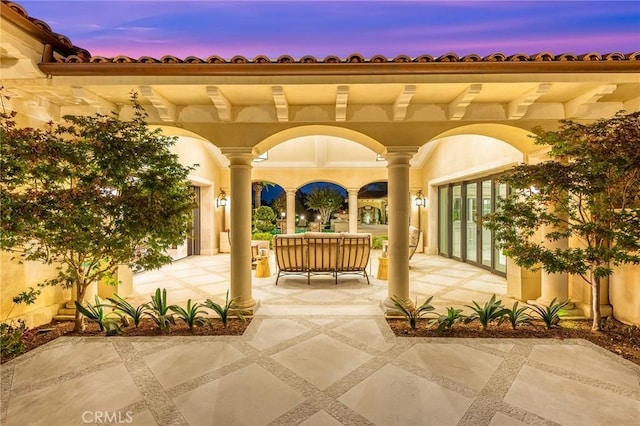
x: 461, y: 234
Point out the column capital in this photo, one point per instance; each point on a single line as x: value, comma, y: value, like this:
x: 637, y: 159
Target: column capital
x: 239, y: 156
x: 290, y: 190
x: 399, y: 154
x: 353, y: 191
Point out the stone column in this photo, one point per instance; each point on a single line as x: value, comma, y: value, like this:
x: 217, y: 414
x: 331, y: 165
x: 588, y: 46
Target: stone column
x: 555, y: 286
x: 399, y: 212
x: 291, y: 210
x: 240, y: 225
x: 353, y: 210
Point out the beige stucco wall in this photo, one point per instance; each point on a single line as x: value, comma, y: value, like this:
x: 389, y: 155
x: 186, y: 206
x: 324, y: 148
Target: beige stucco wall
x: 455, y: 159
x: 16, y: 278
x: 206, y: 175
x: 624, y: 293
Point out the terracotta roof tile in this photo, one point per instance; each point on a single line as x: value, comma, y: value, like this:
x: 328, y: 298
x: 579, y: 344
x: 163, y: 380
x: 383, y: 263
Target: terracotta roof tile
x: 332, y: 59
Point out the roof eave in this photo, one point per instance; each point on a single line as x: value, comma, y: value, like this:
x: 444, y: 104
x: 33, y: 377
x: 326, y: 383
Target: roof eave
x: 282, y: 69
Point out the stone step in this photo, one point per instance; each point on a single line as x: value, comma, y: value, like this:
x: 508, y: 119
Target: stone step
x: 64, y: 317
x: 70, y: 305
x: 66, y: 311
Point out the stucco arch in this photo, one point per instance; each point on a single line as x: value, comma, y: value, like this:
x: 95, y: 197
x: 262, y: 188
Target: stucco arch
x: 514, y: 136
x: 331, y: 181
x: 310, y: 130
x: 177, y: 131
x: 296, y: 178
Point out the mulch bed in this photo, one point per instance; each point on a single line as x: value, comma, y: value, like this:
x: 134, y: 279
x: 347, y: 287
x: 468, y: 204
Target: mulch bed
x: 621, y: 339
x: 46, y: 333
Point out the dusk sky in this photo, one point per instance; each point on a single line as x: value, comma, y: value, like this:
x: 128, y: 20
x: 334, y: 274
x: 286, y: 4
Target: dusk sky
x: 323, y: 28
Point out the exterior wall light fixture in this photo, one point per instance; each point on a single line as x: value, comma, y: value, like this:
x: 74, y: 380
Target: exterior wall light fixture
x: 420, y: 200
x: 221, y: 200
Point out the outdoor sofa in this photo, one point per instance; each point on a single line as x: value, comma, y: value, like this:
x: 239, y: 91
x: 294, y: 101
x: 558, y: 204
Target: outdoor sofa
x: 313, y: 253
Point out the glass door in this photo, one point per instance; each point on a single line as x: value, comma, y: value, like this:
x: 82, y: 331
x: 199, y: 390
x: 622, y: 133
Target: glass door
x: 461, y: 234
x: 443, y: 220
x: 456, y: 221
x: 471, y: 222
x: 500, y: 260
x: 486, y: 236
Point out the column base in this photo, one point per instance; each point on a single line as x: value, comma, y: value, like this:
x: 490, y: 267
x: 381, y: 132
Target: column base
x: 544, y: 301
x: 390, y: 310
x: 571, y: 310
x: 605, y: 310
x: 249, y: 306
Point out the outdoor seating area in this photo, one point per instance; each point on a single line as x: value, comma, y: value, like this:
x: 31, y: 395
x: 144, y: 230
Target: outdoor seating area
x: 315, y: 253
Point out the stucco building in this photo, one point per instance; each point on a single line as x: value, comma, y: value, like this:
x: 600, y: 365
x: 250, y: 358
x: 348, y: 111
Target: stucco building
x: 442, y: 126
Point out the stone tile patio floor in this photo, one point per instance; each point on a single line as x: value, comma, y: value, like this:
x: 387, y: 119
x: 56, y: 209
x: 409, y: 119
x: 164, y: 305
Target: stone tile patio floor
x: 319, y: 355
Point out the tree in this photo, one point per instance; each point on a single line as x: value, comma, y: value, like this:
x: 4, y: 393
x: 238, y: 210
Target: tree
x: 325, y: 200
x: 91, y: 193
x: 588, y: 192
x: 263, y: 218
x: 257, y: 187
x: 279, y: 204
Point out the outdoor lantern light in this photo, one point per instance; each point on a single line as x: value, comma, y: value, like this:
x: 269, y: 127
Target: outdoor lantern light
x: 282, y: 214
x: 221, y: 201
x: 420, y: 202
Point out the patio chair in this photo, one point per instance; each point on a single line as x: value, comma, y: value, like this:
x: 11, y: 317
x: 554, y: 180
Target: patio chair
x: 414, y: 239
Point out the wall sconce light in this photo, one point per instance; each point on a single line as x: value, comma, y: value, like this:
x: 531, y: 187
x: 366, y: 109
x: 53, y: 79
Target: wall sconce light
x: 283, y: 214
x: 420, y: 202
x: 221, y: 201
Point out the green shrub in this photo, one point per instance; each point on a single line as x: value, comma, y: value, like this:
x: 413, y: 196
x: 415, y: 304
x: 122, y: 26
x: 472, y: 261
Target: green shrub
x: 517, y: 316
x: 12, y: 337
x: 491, y: 311
x: 413, y: 313
x: 550, y: 314
x: 376, y: 244
x: 446, y: 322
x: 159, y: 311
x: 97, y: 314
x: 192, y: 315
x: 224, y: 311
x: 263, y: 218
x: 125, y: 310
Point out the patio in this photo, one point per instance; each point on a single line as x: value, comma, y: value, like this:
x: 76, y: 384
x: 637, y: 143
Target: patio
x: 319, y: 355
x: 451, y: 283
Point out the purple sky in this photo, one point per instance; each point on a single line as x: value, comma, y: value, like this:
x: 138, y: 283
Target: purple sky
x: 322, y: 28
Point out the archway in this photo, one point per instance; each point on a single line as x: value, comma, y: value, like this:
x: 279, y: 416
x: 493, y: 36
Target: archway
x: 373, y: 211
x: 461, y: 186
x: 324, y: 206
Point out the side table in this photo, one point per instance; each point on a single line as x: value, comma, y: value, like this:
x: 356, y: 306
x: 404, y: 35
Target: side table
x: 383, y: 268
